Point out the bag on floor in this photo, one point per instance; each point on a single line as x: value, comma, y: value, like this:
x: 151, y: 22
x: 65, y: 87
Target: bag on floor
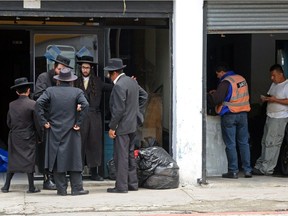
x: 157, y: 169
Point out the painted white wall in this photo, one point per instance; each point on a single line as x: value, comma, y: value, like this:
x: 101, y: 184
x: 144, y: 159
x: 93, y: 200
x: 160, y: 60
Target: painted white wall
x: 187, y: 89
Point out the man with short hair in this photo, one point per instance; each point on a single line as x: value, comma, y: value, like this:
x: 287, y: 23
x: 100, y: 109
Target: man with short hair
x: 231, y: 100
x: 276, y: 120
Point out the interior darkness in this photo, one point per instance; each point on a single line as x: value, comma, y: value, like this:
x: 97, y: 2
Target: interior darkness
x: 232, y: 49
x: 132, y: 51
x: 15, y: 63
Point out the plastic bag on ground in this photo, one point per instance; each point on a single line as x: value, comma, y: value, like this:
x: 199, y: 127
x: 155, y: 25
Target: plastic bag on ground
x: 157, y: 169
x: 3, y: 160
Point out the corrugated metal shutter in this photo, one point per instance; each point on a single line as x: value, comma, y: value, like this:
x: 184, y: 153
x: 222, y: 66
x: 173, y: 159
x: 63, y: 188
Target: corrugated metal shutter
x: 247, y: 17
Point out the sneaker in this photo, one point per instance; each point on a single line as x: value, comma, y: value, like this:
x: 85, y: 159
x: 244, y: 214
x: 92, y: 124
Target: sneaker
x: 256, y: 171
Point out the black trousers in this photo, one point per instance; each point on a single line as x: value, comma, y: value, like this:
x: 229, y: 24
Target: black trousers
x: 40, y: 156
x: 126, y: 175
x: 62, y: 183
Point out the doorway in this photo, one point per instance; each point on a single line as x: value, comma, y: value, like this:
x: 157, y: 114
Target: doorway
x: 15, y: 62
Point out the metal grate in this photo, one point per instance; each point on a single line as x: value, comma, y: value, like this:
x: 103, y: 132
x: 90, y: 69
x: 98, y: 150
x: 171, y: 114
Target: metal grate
x: 225, y: 17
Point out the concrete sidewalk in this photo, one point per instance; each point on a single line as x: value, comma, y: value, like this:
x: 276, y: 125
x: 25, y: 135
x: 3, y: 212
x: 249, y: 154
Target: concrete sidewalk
x: 260, y: 195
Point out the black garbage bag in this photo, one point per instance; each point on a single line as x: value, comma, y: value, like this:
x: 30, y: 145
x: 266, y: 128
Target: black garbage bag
x: 3, y: 160
x: 161, y: 182
x: 157, y: 169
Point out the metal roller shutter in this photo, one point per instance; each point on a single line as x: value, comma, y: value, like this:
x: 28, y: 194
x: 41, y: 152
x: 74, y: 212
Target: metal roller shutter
x: 246, y: 16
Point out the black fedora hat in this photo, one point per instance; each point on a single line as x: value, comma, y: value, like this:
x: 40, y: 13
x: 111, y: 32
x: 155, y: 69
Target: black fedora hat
x: 65, y: 75
x: 63, y: 60
x: 22, y: 81
x: 86, y: 59
x: 114, y: 64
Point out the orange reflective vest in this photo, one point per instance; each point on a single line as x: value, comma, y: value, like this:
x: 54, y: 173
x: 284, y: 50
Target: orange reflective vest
x: 239, y: 101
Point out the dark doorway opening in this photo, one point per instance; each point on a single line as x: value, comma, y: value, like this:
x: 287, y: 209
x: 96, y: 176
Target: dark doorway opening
x: 15, y: 62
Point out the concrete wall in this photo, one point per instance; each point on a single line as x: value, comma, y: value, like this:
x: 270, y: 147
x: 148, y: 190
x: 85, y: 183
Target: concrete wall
x: 263, y: 56
x: 216, y: 160
x: 187, y: 89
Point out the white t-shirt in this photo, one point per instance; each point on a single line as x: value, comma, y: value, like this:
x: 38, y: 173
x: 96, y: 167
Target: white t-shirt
x: 280, y: 91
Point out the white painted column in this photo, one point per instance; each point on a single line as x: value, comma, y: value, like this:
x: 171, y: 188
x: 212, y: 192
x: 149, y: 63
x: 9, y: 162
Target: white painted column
x: 187, y: 89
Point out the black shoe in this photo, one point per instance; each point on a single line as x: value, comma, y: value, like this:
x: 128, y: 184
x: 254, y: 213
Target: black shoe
x: 36, y: 190
x: 49, y: 185
x: 132, y: 188
x: 248, y: 175
x: 80, y: 192
x: 62, y: 193
x: 231, y: 175
x: 256, y: 171
x: 115, y: 190
x: 4, y: 190
x: 97, y: 178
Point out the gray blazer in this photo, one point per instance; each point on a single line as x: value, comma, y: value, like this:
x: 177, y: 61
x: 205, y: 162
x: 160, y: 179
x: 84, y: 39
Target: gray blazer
x: 124, y: 106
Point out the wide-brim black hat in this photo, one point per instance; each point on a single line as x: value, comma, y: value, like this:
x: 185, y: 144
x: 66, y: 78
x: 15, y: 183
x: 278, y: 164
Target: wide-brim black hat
x: 86, y: 59
x: 114, y: 64
x: 63, y: 60
x: 65, y: 75
x: 22, y: 81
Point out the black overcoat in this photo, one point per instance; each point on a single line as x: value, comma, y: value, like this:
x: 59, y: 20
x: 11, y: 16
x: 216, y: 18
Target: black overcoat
x: 22, y: 136
x: 91, y: 129
x: 63, y: 143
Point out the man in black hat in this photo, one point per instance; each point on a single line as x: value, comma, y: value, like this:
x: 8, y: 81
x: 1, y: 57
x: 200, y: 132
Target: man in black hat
x: 62, y: 122
x: 22, y: 136
x: 124, y: 107
x: 91, y: 129
x: 44, y: 81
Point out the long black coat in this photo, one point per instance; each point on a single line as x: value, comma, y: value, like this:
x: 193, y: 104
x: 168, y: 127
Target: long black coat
x: 22, y: 136
x: 43, y: 81
x: 91, y: 129
x: 63, y: 143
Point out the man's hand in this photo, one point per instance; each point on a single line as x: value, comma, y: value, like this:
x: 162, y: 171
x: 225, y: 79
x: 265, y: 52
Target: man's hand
x: 47, y: 125
x: 112, y: 134
x: 78, y: 107
x: 76, y: 127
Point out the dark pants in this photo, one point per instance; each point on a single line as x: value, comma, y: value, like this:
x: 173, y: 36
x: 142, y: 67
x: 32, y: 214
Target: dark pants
x: 40, y: 157
x: 62, y: 184
x: 126, y: 175
x: 235, y: 132
x: 9, y: 177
